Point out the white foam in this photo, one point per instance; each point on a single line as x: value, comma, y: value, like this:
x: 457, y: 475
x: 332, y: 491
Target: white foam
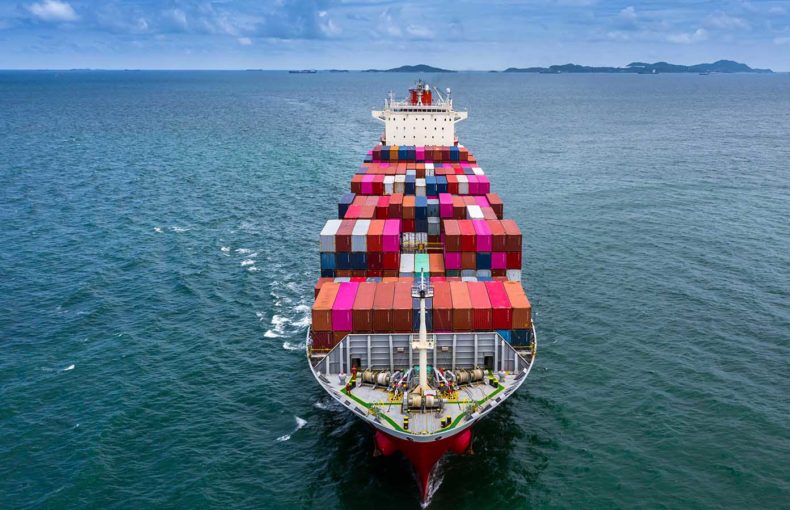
x: 271, y: 334
x: 260, y: 315
x: 225, y: 249
x: 247, y: 262
x: 179, y: 229
x: 158, y: 230
x: 300, y: 423
x: 70, y: 367
x: 243, y: 251
x: 288, y: 346
x: 253, y: 269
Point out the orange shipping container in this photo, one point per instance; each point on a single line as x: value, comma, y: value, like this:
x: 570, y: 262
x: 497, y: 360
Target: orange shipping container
x: 522, y: 310
x: 436, y: 263
x: 442, y: 307
x: 322, y: 308
x: 401, y: 308
x: 362, y: 313
x: 462, y: 307
x: 382, y: 307
x: 320, y: 283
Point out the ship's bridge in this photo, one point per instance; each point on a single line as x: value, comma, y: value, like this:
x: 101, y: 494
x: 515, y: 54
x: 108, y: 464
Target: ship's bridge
x: 426, y: 117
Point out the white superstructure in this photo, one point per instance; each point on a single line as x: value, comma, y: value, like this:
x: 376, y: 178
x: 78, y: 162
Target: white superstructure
x: 425, y: 118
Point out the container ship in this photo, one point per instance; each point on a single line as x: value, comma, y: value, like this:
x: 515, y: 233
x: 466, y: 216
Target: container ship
x: 420, y: 325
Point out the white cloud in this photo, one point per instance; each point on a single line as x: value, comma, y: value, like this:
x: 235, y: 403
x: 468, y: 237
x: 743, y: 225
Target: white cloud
x: 724, y: 21
x: 629, y: 13
x: 244, y: 41
x: 419, y: 32
x: 688, y: 38
x: 779, y: 11
x: 781, y: 40
x: 53, y: 10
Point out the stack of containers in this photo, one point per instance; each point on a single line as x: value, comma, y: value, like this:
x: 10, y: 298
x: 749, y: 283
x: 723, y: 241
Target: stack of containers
x: 482, y: 248
x: 322, y: 316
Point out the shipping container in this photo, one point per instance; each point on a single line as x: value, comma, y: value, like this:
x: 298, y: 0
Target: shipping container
x: 407, y: 264
x: 343, y: 236
x: 483, y: 237
x: 421, y: 265
x: 468, y: 238
x: 513, y: 235
x: 462, y: 307
x: 436, y: 263
x: 502, y: 312
x: 401, y: 308
x: 391, y: 237
x: 320, y: 283
x: 452, y: 261
x: 327, y: 236
x: 481, y: 306
x: 322, y: 307
x: 382, y: 307
x: 522, y: 310
x: 452, y: 235
x: 359, y: 236
x: 343, y: 306
x: 442, y: 306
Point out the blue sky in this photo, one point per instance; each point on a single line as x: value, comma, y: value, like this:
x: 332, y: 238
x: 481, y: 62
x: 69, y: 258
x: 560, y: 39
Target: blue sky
x: 359, y: 34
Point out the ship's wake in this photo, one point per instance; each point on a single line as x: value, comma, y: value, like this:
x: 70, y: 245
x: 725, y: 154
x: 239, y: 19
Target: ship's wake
x: 435, y: 481
x: 300, y: 423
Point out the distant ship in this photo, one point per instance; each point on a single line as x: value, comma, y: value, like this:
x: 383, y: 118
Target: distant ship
x: 421, y: 326
x: 303, y: 71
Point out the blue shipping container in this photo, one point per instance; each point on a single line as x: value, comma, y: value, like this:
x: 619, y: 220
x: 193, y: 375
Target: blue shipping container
x: 441, y: 184
x: 359, y: 260
x: 328, y: 261
x: 483, y: 260
x: 342, y: 260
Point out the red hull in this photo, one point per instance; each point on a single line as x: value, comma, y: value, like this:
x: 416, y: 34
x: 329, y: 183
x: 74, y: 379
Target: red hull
x: 423, y: 456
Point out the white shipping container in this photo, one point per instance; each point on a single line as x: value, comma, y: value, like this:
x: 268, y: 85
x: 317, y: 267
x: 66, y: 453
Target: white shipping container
x: 469, y: 278
x: 389, y: 181
x: 463, y: 185
x: 474, y: 212
x: 483, y: 273
x: 359, y: 236
x: 420, y: 187
x: 513, y: 275
x: 468, y: 273
x: 342, y: 279
x: 327, y: 235
x: 429, y: 171
x: 406, y: 263
x: 478, y: 171
x: 411, y: 172
x: 399, y: 186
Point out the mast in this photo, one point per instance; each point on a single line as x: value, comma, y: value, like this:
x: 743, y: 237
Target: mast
x: 422, y: 342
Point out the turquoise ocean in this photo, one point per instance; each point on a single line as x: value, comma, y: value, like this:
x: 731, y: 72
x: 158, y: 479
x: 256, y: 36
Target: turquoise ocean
x: 159, y: 249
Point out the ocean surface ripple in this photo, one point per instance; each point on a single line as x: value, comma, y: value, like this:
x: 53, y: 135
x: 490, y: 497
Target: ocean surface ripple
x: 160, y: 249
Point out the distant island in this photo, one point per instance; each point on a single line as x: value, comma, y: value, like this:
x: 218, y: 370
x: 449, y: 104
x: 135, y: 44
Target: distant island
x: 419, y: 68
x: 721, y: 66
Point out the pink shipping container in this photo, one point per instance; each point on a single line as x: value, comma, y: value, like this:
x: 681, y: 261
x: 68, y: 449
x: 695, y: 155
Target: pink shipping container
x: 484, y: 185
x: 343, y: 306
x: 483, y: 240
x: 391, y: 236
x: 420, y: 153
x: 367, y: 184
x: 473, y: 185
x: 499, y: 260
x: 500, y: 305
x: 445, y: 205
x: 482, y: 201
x: 452, y: 260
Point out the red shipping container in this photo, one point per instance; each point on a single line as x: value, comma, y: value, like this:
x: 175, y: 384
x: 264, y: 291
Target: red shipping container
x: 343, y: 235
x: 337, y: 336
x: 358, y: 279
x: 352, y: 212
x: 375, y: 260
x: 459, y: 208
x: 375, y: 236
x: 320, y: 283
x: 468, y: 260
x: 496, y: 203
x: 468, y: 238
x: 437, y: 154
x: 396, y: 206
x: 462, y: 307
x: 498, y: 237
x: 362, y: 314
x: 382, y: 207
x: 356, y: 184
x: 391, y: 261
x: 322, y: 308
x: 522, y: 309
x: 452, y: 184
x: 481, y: 306
x: 409, y: 226
x: 322, y: 340
x: 442, y: 306
x: 401, y: 307
x: 489, y: 214
x: 378, y: 185
x: 367, y: 212
x: 513, y: 242
x: 513, y: 260
x: 374, y: 272
x: 452, y: 235
x: 382, y: 307
x: 502, y: 313
x: 408, y: 207
x: 446, y: 153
